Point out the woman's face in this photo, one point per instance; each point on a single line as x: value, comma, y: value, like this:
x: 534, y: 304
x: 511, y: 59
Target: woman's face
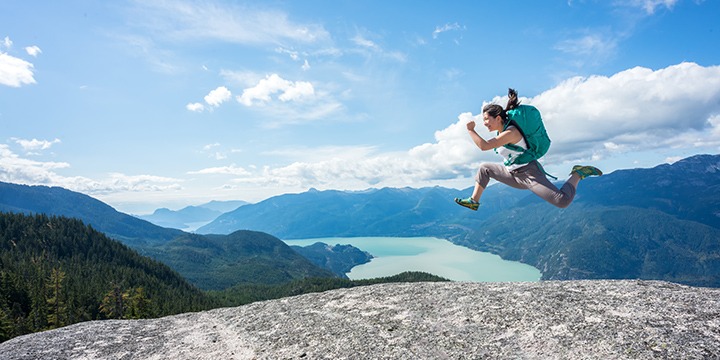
x: 492, y: 123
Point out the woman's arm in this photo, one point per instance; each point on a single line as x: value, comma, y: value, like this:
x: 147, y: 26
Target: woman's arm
x: 509, y: 136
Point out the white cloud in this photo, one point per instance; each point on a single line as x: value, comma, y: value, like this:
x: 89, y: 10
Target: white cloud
x: 147, y: 49
x: 273, y: 84
x: 589, y: 45
x: 218, y: 96
x: 196, y: 107
x: 292, y: 101
x: 321, y: 108
x: 447, y: 27
x: 15, y: 72
x: 222, y: 170
x: 296, y: 91
x: 316, y: 154
x: 15, y: 169
x: 211, y: 146
x: 118, y: 182
x: 214, y: 98
x: 294, y: 55
x: 183, y: 20
x: 7, y: 43
x: 361, y: 41
x: 358, y: 172
x: 211, y: 152
x: 587, y: 118
x: 369, y: 48
x: 648, y: 5
x: 35, y: 144
x: 636, y: 109
x: 33, y: 51
x: 450, y: 157
x: 241, y: 78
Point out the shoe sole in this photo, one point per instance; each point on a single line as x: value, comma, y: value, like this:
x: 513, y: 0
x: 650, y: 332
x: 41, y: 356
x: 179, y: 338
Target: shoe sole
x: 472, y: 207
x: 597, y: 172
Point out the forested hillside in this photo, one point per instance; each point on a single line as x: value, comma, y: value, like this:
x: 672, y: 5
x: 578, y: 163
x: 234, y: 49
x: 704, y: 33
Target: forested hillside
x: 56, y: 271
x: 212, y: 262
x: 62, y: 202
x: 340, y: 259
x: 600, y: 242
x: 244, y: 257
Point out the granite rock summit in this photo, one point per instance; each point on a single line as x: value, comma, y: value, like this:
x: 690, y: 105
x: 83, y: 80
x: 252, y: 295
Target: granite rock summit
x: 551, y: 319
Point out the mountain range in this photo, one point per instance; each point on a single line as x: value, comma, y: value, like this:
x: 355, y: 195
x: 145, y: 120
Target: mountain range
x: 661, y: 223
x: 658, y: 223
x: 190, y: 218
x: 688, y: 189
x: 209, y: 262
x: 375, y: 212
x: 62, y: 202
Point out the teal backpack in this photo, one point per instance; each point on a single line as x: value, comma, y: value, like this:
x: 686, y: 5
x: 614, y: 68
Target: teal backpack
x: 527, y: 119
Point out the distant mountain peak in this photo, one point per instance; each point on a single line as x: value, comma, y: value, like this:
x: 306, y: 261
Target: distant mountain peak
x: 703, y: 163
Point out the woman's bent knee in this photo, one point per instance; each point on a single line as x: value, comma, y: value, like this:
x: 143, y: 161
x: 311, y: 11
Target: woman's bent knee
x: 562, y: 203
x: 484, y: 174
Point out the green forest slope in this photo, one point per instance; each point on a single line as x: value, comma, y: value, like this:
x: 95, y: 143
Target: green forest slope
x: 56, y: 271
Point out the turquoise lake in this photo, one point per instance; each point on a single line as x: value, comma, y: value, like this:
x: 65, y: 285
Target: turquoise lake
x: 432, y: 255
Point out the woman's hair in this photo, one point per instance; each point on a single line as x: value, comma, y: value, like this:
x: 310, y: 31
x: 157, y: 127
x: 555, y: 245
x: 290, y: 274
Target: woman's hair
x: 497, y: 110
x: 513, y: 101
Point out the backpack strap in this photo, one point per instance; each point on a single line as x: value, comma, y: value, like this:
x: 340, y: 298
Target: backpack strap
x: 514, y: 147
x: 521, y: 149
x: 543, y: 170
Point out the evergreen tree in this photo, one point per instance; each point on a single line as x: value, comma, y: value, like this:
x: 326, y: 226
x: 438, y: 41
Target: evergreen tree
x: 6, y: 326
x: 37, y: 318
x: 112, y: 304
x: 57, y: 307
x: 137, y: 304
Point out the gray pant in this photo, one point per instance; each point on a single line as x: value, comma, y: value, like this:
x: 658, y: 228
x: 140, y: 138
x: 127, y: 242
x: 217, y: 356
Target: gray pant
x: 527, y: 177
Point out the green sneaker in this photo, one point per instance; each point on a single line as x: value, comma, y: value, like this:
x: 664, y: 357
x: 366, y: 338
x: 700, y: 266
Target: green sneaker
x: 468, y: 203
x: 585, y: 171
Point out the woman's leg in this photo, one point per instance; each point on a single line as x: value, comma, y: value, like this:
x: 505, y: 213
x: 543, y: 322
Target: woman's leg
x: 495, y: 171
x: 477, y: 192
x: 574, y: 180
x: 536, y: 180
x: 532, y: 177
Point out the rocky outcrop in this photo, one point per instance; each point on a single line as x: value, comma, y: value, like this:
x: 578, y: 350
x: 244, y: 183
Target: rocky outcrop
x: 556, y: 320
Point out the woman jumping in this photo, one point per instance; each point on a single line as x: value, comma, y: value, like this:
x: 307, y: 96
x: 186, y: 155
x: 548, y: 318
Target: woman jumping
x: 520, y: 176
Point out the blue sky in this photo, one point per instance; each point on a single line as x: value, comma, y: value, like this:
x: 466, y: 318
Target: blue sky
x: 147, y: 104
